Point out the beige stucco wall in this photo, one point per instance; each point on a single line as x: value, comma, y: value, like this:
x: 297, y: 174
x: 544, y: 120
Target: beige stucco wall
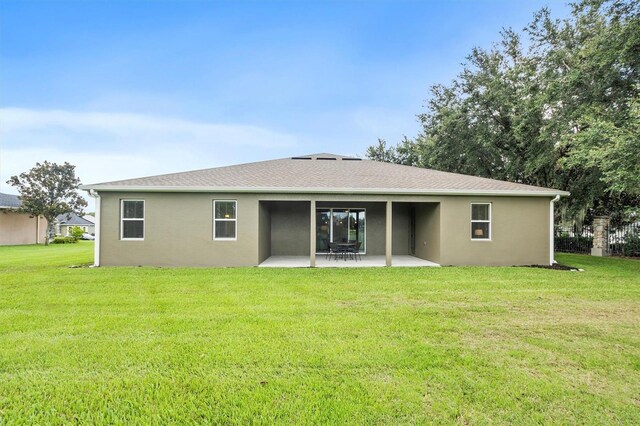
x: 401, y: 228
x: 519, y: 235
x: 428, y: 231
x: 290, y: 228
x: 20, y: 228
x: 264, y: 232
x: 179, y: 229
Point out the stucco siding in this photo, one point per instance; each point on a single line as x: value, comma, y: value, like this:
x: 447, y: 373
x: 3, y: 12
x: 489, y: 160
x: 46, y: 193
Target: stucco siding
x: 19, y: 228
x: 290, y: 234
x: 179, y: 231
x: 179, y: 228
x: 401, y: 225
x: 519, y: 234
x: 264, y: 232
x: 428, y: 231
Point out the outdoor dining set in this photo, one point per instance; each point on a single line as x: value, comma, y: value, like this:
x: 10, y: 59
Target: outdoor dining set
x: 346, y: 250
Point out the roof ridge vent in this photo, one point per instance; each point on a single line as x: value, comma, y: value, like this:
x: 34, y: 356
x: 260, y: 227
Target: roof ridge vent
x: 351, y: 159
x: 301, y: 158
x: 326, y: 158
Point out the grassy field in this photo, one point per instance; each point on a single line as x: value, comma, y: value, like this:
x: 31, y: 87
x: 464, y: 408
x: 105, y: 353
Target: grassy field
x: 364, y: 346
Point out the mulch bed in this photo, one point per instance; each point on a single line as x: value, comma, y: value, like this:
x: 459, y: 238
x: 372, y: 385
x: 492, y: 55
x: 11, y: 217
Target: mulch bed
x: 557, y: 267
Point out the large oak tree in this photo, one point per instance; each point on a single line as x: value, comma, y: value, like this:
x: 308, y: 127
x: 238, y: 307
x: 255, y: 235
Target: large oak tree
x: 562, y: 112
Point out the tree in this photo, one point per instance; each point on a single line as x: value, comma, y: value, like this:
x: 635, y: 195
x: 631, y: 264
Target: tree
x: 561, y: 113
x: 49, y: 190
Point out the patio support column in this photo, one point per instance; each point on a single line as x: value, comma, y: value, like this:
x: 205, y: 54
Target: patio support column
x: 388, y: 235
x: 312, y: 235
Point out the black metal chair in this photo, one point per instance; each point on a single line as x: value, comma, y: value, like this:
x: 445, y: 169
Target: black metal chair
x: 354, y: 250
x: 332, y: 249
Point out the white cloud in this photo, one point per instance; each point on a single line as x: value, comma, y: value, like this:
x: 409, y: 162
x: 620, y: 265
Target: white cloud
x: 112, y: 146
x: 44, y: 127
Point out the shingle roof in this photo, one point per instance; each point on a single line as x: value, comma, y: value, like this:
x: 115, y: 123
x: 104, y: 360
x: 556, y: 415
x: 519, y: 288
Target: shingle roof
x: 323, y: 173
x: 9, y: 201
x: 73, y: 220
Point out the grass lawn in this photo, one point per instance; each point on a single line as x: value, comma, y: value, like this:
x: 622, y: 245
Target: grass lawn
x: 249, y: 345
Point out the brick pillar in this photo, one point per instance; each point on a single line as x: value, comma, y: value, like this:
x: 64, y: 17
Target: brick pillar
x: 600, y: 236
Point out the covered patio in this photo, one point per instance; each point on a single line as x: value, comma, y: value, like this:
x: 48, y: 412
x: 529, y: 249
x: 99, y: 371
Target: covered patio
x: 367, y: 261
x: 301, y: 233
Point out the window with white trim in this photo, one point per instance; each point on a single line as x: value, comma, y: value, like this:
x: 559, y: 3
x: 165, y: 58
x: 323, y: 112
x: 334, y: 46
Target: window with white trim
x: 481, y: 221
x: 224, y: 219
x: 132, y: 219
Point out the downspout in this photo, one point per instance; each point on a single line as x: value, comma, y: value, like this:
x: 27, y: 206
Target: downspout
x: 96, y: 248
x: 551, y: 229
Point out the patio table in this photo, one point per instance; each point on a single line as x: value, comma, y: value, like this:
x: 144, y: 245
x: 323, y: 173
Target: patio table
x: 344, y: 249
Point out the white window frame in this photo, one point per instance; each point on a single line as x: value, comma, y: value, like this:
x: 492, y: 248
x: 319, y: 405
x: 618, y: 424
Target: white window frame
x: 481, y: 221
x: 122, y: 219
x: 224, y: 220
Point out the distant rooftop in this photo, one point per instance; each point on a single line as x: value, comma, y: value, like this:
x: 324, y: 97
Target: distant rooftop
x: 75, y: 220
x: 9, y: 201
x: 323, y: 173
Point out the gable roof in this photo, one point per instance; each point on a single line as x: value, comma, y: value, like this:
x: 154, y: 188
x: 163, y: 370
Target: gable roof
x: 9, y: 201
x: 73, y: 219
x: 323, y: 173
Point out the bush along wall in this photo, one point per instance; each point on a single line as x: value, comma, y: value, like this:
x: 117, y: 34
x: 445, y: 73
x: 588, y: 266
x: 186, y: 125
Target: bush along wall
x: 64, y: 240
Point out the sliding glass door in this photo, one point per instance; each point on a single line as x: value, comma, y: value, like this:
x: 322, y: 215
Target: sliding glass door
x: 340, y: 226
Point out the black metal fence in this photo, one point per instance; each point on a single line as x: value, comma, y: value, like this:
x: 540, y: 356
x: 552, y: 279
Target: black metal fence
x: 624, y: 240
x: 574, y: 239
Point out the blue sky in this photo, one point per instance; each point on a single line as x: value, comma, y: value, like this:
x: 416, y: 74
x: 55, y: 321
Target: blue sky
x: 132, y: 88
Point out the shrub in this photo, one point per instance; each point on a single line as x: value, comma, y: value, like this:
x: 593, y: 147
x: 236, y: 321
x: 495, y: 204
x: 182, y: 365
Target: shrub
x: 573, y: 244
x: 631, y: 244
x: 76, y: 232
x: 64, y: 240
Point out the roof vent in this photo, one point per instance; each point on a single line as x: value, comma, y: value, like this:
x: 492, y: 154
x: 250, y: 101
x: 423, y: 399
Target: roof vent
x: 301, y: 158
x: 326, y: 158
x: 351, y: 159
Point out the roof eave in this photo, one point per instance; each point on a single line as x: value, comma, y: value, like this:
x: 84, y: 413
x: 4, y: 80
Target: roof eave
x: 371, y: 191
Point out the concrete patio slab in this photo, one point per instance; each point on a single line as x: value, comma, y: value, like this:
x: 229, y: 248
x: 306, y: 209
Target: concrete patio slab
x: 323, y: 262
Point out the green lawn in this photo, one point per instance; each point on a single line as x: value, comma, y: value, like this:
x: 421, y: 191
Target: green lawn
x: 363, y: 346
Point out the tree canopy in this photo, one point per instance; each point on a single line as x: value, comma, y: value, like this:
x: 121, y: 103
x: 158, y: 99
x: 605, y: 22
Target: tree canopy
x: 49, y: 190
x: 556, y: 105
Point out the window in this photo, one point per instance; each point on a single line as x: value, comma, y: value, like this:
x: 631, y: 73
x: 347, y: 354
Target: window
x: 224, y: 219
x: 340, y: 225
x: 481, y: 221
x: 132, y: 220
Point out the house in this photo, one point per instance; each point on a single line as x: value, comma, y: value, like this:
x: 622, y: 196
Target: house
x: 19, y: 228
x: 287, y: 211
x: 65, y: 222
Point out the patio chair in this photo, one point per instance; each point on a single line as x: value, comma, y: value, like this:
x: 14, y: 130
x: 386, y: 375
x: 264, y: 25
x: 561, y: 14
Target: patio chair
x: 354, y: 250
x: 340, y: 250
x: 332, y: 250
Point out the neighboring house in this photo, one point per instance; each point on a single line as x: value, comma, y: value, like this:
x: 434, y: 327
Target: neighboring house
x: 291, y: 208
x: 65, y: 222
x: 19, y: 228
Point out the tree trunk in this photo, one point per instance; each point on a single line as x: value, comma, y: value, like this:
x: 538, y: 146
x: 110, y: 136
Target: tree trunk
x: 50, y: 231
